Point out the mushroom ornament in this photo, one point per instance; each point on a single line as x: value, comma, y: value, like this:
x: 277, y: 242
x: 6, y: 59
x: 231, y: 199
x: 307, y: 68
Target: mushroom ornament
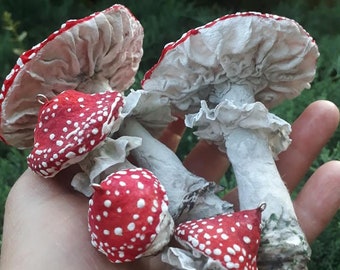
x: 97, y: 53
x: 223, y: 77
x: 226, y: 241
x: 74, y: 128
x: 128, y: 215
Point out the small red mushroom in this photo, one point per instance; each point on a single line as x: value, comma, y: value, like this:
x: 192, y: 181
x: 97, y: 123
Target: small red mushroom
x: 230, y: 240
x: 70, y: 126
x: 128, y: 215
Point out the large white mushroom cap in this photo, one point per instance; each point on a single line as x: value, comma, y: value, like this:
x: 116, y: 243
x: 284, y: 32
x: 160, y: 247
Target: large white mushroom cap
x: 93, y: 54
x: 272, y: 55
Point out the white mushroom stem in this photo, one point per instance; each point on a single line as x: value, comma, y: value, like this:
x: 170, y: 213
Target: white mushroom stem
x: 176, y: 179
x: 250, y: 149
x: 283, y: 243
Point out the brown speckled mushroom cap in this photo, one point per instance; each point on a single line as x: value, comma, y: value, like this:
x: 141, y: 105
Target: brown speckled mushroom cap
x: 93, y: 54
x: 272, y: 55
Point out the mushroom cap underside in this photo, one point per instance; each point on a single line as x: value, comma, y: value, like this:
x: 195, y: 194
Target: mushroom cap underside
x: 272, y: 55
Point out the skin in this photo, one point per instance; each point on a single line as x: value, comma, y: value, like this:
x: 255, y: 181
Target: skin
x: 46, y: 221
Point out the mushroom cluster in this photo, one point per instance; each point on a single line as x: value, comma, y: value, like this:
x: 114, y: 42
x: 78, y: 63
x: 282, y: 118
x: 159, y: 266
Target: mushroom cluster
x: 65, y: 98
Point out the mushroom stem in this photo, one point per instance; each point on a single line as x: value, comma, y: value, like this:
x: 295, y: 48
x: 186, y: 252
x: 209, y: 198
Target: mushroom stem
x: 256, y: 173
x: 176, y: 179
x: 283, y: 242
x: 252, y: 136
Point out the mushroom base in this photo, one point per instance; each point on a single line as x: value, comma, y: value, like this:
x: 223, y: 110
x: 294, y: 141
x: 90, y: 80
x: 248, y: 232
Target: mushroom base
x: 187, y: 260
x: 286, y: 250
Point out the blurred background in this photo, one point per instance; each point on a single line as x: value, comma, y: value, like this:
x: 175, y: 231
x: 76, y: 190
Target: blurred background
x: 26, y: 23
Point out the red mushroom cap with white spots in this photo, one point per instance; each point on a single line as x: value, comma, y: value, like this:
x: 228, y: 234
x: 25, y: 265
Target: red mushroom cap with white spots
x: 231, y: 239
x: 128, y: 215
x: 96, y: 53
x: 70, y: 126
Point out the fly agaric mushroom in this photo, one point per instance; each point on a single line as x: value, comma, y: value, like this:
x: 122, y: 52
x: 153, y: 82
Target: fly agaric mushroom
x: 224, y: 74
x: 226, y: 241
x: 128, y: 215
x: 70, y: 126
x: 97, y: 53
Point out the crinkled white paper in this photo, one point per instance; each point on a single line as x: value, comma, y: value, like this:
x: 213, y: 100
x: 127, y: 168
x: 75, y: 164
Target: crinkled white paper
x: 109, y: 157
x: 150, y: 109
x: 181, y: 259
x: 214, y: 125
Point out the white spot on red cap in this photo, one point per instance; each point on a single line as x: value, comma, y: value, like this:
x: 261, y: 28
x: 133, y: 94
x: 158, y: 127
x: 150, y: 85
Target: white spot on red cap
x: 131, y: 226
x: 246, y: 239
x: 118, y: 231
x: 107, y: 203
x: 140, y: 185
x: 140, y: 203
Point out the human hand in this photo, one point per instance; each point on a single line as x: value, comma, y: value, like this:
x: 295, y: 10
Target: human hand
x: 46, y: 221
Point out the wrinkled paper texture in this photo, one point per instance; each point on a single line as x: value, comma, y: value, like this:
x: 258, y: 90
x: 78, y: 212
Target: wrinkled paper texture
x: 150, y: 109
x: 181, y: 259
x: 104, y: 160
x: 214, y: 125
x: 275, y: 58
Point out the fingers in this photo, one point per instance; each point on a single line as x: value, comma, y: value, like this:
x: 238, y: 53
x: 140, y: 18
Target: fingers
x: 232, y: 197
x: 319, y: 200
x: 41, y: 216
x: 204, y: 160
x: 173, y: 133
x: 310, y: 132
x: 207, y: 161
